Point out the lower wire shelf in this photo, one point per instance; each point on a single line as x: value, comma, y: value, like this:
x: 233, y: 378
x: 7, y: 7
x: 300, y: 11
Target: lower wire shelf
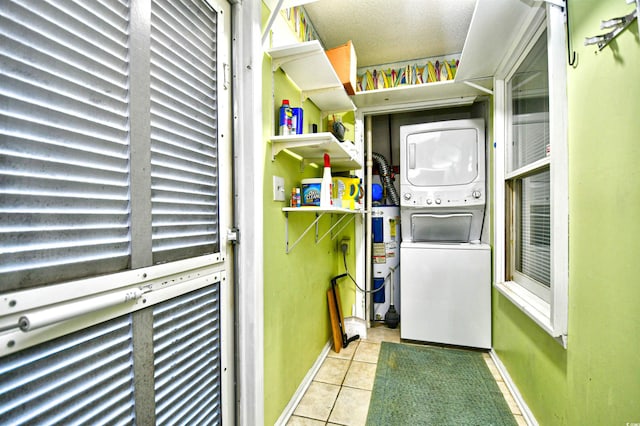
x: 345, y: 217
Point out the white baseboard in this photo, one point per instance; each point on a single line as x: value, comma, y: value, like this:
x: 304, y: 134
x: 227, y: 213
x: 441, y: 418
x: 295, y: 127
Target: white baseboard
x: 306, y: 382
x: 524, y: 408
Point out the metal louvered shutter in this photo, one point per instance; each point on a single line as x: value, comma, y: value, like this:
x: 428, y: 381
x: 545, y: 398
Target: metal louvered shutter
x: 82, y: 378
x: 64, y: 141
x: 186, y: 337
x: 184, y: 140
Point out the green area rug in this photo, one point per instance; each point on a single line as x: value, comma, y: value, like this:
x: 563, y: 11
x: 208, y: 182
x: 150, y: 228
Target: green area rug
x: 422, y: 385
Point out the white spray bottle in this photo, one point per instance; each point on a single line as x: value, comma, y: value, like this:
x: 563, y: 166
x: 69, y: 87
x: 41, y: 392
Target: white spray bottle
x: 325, y: 186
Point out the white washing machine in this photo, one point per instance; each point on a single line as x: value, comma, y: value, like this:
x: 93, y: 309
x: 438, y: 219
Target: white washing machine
x: 446, y: 293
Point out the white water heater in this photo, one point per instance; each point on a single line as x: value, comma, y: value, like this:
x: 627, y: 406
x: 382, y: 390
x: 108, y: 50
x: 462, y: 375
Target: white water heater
x: 385, y: 223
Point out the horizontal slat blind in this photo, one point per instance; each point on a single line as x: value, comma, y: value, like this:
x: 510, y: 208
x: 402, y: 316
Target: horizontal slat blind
x: 64, y: 141
x: 184, y: 167
x: 530, y: 139
x: 535, y: 239
x: 81, y: 378
x: 187, y: 359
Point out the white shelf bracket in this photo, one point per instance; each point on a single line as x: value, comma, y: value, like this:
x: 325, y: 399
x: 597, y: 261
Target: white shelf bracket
x: 278, y: 148
x: 479, y: 87
x: 309, y: 93
x: 334, y: 235
x: 315, y: 224
x: 342, y: 217
x: 275, y: 150
x: 289, y: 248
x: 278, y: 62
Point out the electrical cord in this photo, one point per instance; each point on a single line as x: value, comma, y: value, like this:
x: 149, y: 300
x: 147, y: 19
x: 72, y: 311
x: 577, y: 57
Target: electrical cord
x: 344, y: 258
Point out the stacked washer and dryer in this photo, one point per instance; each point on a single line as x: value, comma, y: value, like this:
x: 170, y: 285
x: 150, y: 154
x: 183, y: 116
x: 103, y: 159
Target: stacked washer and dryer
x: 445, y: 268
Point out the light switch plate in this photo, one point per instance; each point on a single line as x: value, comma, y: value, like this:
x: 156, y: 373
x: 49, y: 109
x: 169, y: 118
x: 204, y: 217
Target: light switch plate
x: 278, y: 188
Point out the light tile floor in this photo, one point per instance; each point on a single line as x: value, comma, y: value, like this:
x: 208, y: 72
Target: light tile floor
x: 341, y: 390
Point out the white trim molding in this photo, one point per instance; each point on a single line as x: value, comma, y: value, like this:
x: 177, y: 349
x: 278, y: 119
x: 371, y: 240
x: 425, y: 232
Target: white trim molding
x: 304, y: 385
x: 522, y: 405
x: 249, y: 154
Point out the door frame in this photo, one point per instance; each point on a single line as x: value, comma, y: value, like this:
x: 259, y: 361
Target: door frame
x: 249, y: 154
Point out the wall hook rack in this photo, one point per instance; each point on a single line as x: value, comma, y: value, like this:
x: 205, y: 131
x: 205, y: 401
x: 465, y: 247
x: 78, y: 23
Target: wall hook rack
x: 617, y: 24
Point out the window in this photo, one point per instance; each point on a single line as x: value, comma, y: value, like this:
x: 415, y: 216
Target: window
x: 531, y: 193
x: 528, y: 172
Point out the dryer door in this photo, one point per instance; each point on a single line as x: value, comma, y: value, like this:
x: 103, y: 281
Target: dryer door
x: 442, y: 157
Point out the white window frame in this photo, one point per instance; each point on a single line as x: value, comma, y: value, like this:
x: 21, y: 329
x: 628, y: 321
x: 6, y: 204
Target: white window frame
x: 552, y: 314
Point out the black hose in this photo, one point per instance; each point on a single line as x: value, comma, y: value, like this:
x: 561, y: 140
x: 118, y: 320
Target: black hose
x: 344, y: 258
x: 385, y: 177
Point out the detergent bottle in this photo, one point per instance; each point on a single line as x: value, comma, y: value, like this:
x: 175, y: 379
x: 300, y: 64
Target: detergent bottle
x: 286, y: 118
x: 326, y: 191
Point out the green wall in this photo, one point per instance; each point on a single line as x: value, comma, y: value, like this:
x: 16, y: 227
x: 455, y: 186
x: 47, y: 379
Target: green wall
x: 296, y: 315
x: 596, y: 380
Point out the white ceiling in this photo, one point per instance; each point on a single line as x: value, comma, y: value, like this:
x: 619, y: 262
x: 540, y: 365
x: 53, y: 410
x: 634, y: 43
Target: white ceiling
x: 387, y: 31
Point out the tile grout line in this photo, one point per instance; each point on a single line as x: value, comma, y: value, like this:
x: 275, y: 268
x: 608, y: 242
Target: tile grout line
x: 350, y: 360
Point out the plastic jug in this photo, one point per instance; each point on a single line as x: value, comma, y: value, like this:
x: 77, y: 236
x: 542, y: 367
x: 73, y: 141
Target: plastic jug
x: 347, y: 190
